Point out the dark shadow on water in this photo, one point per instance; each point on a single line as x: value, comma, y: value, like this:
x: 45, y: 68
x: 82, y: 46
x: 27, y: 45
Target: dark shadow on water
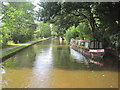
x: 64, y: 60
x: 84, y: 67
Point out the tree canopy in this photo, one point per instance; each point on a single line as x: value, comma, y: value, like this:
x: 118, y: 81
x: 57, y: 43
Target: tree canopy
x: 18, y: 23
x: 89, y: 20
x: 43, y: 30
x: 102, y: 18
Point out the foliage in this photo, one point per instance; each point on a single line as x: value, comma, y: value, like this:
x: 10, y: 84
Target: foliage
x: 108, y: 23
x: 66, y: 15
x: 53, y: 30
x: 71, y: 33
x: 4, y: 35
x: 102, y: 19
x: 43, y: 30
x: 80, y: 32
x: 93, y: 20
x: 18, y: 22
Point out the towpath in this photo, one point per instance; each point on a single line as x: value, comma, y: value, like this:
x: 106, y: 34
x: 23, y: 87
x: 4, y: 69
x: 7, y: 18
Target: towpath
x: 9, y: 48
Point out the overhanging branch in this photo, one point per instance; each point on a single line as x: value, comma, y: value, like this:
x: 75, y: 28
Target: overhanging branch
x: 80, y: 14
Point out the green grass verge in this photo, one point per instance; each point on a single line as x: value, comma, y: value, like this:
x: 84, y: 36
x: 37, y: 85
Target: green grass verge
x: 20, y: 47
x: 11, y: 50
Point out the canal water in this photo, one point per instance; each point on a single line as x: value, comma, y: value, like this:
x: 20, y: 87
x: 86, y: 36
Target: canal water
x: 53, y: 64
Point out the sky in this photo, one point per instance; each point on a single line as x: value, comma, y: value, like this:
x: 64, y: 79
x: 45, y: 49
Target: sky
x: 35, y: 2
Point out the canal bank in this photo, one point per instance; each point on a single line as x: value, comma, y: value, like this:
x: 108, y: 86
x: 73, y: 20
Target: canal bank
x: 8, y: 52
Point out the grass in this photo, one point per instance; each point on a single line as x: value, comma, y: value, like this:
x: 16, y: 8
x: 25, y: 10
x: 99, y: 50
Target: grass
x: 11, y: 50
x: 10, y: 44
x: 19, y: 47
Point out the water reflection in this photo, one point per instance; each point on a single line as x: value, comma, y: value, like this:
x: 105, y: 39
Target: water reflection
x: 52, y: 64
x: 78, y: 57
x: 21, y: 60
x: 64, y: 58
x: 41, y: 69
x: 44, y: 59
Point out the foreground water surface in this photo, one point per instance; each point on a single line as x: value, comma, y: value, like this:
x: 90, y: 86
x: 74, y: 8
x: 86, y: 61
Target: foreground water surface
x: 53, y: 64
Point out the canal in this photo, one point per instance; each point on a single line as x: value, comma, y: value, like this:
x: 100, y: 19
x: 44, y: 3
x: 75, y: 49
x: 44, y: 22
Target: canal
x: 53, y: 64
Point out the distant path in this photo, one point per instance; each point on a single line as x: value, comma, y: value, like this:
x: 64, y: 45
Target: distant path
x: 9, y: 48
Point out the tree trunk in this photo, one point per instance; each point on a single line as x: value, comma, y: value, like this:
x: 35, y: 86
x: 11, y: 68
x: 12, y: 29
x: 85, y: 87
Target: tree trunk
x: 92, y: 24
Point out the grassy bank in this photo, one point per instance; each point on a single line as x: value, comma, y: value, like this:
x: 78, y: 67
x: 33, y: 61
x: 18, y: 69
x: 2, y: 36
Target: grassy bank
x: 18, y: 48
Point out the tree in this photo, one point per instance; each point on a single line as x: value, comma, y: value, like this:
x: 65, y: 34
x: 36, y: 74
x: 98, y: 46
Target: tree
x: 67, y: 14
x: 102, y: 18
x: 43, y: 30
x: 18, y: 19
x: 82, y: 31
x: 108, y: 21
x: 54, y: 30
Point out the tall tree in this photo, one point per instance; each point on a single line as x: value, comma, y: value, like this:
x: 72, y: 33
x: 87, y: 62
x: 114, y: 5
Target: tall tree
x: 19, y: 20
x: 102, y: 18
x: 67, y: 14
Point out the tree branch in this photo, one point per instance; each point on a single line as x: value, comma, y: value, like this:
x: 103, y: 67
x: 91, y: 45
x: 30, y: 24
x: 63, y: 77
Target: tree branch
x: 80, y: 14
